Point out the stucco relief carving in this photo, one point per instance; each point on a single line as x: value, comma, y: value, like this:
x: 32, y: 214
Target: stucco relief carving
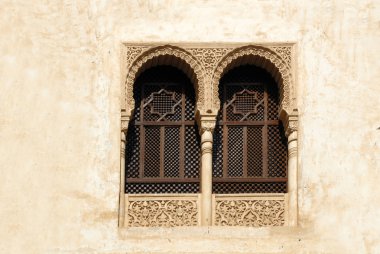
x: 252, y: 212
x: 290, y: 122
x: 209, y: 64
x: 131, y: 53
x: 162, y: 212
x: 155, y: 52
x: 207, y: 125
x: 281, y: 72
x: 209, y: 58
x: 285, y: 52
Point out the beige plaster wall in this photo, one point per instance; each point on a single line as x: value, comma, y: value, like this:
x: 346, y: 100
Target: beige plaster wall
x: 60, y: 117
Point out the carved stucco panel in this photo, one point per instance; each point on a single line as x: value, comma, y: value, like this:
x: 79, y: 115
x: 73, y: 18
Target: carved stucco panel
x: 285, y: 52
x: 209, y: 58
x: 145, y: 54
x: 162, y: 210
x: 282, y: 65
x: 252, y: 211
x: 209, y: 64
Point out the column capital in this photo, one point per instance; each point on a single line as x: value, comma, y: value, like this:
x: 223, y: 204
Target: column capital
x: 207, y: 126
x: 291, y: 125
x: 125, y: 117
x: 206, y: 123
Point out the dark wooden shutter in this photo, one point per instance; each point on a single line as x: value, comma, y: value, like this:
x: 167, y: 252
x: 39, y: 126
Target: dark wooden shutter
x: 249, y: 150
x: 163, y: 143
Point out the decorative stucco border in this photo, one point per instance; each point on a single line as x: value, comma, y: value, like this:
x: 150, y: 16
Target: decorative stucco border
x: 250, y: 210
x: 205, y: 64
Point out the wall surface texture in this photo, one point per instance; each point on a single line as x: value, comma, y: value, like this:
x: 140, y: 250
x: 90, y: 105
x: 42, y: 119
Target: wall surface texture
x: 60, y: 121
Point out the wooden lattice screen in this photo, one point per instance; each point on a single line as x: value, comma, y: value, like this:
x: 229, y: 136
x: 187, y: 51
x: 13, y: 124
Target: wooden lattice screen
x: 249, y: 150
x: 163, y: 143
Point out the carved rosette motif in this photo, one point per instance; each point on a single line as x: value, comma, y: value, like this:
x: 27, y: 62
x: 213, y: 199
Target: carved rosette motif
x: 163, y: 212
x: 249, y: 212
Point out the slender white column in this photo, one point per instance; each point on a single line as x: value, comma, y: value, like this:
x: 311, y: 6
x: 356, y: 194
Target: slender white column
x: 207, y: 127
x: 122, y: 181
x: 292, y: 178
x: 123, y: 134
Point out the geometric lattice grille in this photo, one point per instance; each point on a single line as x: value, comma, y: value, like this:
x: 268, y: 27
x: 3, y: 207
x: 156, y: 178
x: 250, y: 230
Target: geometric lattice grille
x: 255, y: 152
x: 217, y: 152
x: 132, y: 162
x: 192, y: 152
x: 259, y: 115
x: 277, y: 157
x: 152, y: 152
x: 163, y: 102
x: 272, y: 103
x: 249, y: 150
x: 235, y: 152
x: 136, y: 188
x: 171, y: 156
x: 189, y: 103
x: 164, y: 144
x: 245, y: 102
x: 250, y: 187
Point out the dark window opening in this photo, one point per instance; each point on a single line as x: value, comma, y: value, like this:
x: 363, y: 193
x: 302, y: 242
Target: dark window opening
x: 250, y: 148
x: 163, y: 143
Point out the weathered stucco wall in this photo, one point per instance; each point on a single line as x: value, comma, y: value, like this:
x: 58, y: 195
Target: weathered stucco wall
x: 60, y: 121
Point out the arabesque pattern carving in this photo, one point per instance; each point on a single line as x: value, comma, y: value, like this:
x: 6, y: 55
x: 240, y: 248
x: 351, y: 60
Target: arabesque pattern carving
x: 285, y: 52
x: 156, y: 52
x: 209, y: 64
x: 271, y: 59
x: 209, y: 57
x: 131, y: 53
x: 162, y: 211
x: 249, y: 211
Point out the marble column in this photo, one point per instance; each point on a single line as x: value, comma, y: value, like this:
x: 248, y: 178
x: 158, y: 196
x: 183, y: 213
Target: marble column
x: 207, y: 125
x: 291, y: 133
x: 123, y: 136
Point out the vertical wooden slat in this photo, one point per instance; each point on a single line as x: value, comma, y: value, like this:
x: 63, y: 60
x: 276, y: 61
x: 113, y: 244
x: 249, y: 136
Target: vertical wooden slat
x: 265, y: 133
x: 162, y: 151
x: 142, y: 134
x: 182, y: 137
x: 245, y: 152
x: 225, y: 133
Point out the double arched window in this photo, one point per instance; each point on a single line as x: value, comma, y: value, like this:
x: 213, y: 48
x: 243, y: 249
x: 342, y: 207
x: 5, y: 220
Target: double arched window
x: 163, y: 142
x: 205, y: 136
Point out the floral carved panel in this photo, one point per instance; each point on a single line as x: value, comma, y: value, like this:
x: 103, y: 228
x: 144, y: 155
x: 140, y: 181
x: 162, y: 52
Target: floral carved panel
x: 162, y: 210
x: 250, y: 210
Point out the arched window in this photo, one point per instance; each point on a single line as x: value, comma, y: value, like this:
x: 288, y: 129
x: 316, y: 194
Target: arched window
x: 248, y: 166
x: 250, y: 148
x: 163, y: 144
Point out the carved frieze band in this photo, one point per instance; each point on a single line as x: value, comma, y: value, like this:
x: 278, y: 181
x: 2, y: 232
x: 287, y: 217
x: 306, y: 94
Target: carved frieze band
x: 250, y: 210
x: 162, y: 210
